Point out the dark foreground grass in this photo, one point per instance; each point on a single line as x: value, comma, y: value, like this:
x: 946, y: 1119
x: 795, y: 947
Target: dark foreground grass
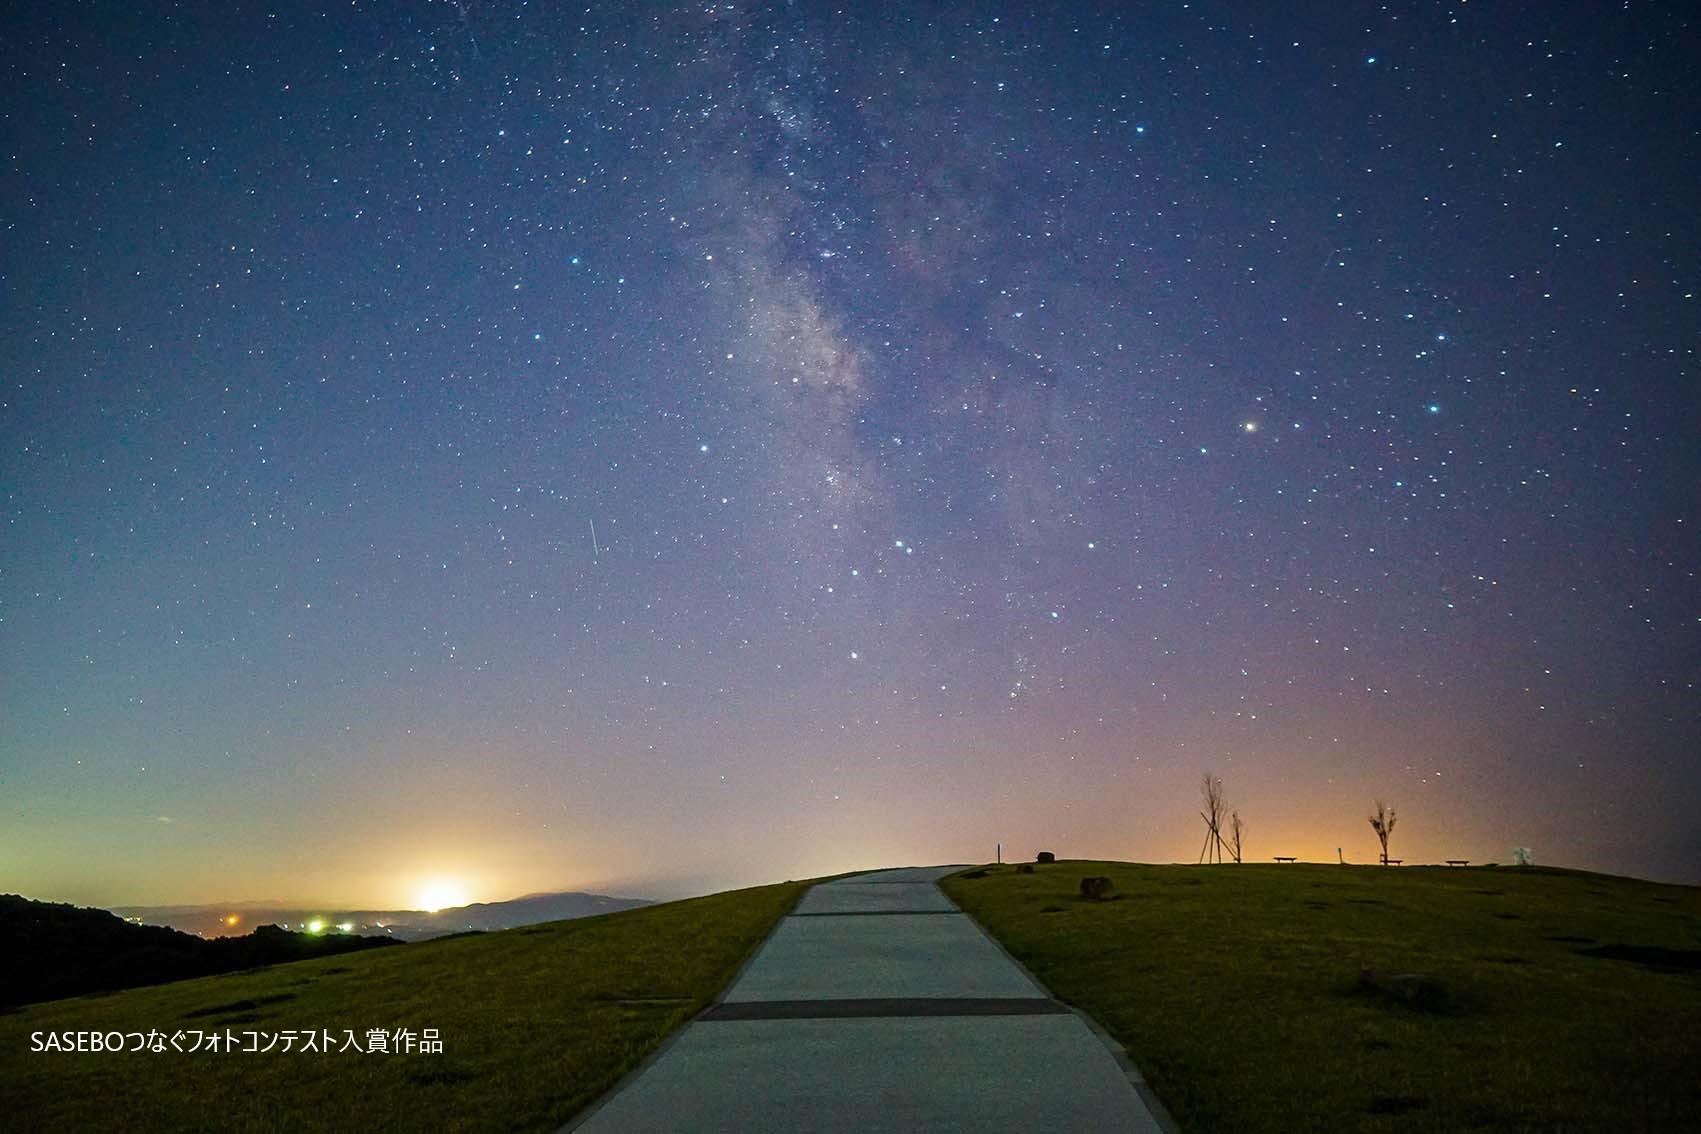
x: 1573, y: 1000
x: 535, y: 1023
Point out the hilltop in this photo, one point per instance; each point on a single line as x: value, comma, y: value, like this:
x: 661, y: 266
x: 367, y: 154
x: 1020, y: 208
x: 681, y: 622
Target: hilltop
x: 1562, y: 1000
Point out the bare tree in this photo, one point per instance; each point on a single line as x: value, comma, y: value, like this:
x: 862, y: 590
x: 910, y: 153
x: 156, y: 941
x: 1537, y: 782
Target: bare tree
x: 1382, y: 822
x: 1212, y: 790
x: 1235, y: 827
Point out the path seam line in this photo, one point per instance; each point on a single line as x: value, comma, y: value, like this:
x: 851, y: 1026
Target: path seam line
x: 873, y: 913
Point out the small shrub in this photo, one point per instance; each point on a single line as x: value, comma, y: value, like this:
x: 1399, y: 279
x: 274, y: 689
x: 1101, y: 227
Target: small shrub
x: 1098, y: 888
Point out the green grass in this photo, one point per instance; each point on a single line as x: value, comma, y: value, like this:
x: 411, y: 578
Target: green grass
x: 1234, y: 988
x: 535, y: 1023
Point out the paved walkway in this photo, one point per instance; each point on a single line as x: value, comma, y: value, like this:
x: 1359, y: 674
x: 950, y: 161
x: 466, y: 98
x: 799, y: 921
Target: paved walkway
x: 878, y: 1005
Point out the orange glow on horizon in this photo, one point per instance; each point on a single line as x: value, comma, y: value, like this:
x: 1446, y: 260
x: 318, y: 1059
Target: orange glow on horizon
x: 440, y: 894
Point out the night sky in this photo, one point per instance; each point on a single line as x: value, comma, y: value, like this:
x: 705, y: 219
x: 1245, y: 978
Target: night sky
x: 654, y: 449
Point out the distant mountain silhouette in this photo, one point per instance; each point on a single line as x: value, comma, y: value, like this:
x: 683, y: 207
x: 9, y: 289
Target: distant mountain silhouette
x: 56, y: 950
x: 402, y: 925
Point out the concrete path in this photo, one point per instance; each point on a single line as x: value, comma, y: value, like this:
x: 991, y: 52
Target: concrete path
x: 878, y: 1005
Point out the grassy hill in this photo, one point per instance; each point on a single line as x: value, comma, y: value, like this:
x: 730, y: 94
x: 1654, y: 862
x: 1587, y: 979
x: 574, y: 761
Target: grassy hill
x: 535, y: 1024
x: 1541, y: 999
x: 1548, y: 1000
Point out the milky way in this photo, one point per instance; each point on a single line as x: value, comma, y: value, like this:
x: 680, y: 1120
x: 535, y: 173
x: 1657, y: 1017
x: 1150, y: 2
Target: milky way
x: 989, y: 420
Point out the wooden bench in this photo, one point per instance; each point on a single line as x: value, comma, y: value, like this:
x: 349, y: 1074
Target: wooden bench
x: 1284, y: 858
x: 1392, y: 861
x: 1458, y: 862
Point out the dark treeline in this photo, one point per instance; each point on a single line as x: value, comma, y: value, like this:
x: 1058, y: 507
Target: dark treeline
x: 54, y: 950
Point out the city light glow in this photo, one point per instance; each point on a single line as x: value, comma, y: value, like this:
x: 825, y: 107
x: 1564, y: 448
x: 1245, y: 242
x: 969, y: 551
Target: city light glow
x: 441, y: 894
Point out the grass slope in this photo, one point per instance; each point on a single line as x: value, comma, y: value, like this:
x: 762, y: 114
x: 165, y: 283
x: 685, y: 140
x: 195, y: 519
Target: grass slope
x: 1235, y: 989
x: 535, y: 1022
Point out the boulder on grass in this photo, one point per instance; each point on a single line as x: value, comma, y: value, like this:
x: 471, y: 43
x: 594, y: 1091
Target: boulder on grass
x: 1098, y: 888
x: 1024, y: 868
x: 1045, y: 856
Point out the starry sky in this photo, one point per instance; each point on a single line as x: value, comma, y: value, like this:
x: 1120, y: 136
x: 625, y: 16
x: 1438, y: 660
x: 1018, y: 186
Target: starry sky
x: 653, y: 448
